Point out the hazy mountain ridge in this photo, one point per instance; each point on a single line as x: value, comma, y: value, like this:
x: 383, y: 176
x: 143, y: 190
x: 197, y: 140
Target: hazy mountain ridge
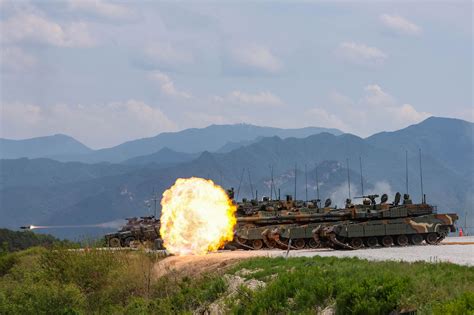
x: 48, y: 146
x: 162, y: 158
x: 193, y: 140
x: 450, y: 140
x: 121, y: 192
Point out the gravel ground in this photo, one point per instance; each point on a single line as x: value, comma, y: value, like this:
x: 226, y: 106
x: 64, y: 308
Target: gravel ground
x: 449, y: 251
x: 457, y: 254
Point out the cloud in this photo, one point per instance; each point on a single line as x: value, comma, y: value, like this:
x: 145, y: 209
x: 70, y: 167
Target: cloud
x: 167, y: 85
x: 104, y: 9
x: 408, y: 113
x: 383, y: 102
x: 251, y: 59
x: 97, y: 125
x: 374, y: 111
x: 166, y: 55
x: 361, y: 54
x: 15, y: 59
x: 400, y: 25
x: 34, y: 27
x: 375, y: 96
x: 263, y: 98
x: 381, y: 105
x: 322, y: 118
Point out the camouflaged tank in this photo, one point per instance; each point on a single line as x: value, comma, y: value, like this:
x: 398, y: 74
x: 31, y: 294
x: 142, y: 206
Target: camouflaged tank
x: 386, y: 225
x: 297, y: 224
x: 142, y: 230
x: 272, y: 223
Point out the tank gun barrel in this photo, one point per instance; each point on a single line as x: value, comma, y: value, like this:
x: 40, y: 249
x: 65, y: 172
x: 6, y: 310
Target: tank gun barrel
x: 367, y: 196
x: 296, y: 217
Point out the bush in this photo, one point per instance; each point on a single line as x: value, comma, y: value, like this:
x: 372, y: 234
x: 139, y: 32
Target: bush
x: 463, y: 304
x: 43, y: 298
x: 39, y: 281
x: 354, y: 286
x: 7, y: 261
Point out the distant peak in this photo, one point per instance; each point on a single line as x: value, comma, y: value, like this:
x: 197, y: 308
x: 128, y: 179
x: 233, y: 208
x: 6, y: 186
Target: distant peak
x: 446, y: 119
x: 61, y: 135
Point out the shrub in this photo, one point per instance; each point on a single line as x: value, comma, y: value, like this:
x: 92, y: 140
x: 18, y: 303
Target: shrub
x: 463, y: 304
x: 7, y: 261
x: 43, y: 298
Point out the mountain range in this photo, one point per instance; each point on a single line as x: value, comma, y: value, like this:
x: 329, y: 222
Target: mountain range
x: 212, y: 138
x: 53, y: 192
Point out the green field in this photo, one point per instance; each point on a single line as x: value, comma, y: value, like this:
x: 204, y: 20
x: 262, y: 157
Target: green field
x: 46, y: 281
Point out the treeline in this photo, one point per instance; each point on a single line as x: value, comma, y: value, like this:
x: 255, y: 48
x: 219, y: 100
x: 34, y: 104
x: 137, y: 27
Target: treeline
x: 11, y: 241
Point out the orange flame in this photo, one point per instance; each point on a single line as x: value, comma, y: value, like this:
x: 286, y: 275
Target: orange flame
x: 197, y: 216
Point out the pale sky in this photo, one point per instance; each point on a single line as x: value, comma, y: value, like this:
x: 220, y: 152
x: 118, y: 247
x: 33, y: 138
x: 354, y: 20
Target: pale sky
x: 106, y: 72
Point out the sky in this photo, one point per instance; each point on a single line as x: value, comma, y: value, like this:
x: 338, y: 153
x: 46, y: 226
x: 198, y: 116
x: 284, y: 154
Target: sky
x: 106, y: 72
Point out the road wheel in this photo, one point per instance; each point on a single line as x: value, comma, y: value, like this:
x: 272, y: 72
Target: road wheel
x: 240, y: 240
x: 356, y: 243
x: 371, y: 242
x: 416, y: 239
x: 271, y: 244
x: 257, y: 244
x: 387, y: 241
x: 312, y: 243
x: 432, y: 238
x: 128, y: 241
x: 114, y: 242
x: 402, y: 240
x: 299, y: 243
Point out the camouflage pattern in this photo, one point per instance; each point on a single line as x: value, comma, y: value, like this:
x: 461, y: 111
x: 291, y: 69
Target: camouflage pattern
x: 297, y: 224
x: 431, y: 228
x: 142, y: 230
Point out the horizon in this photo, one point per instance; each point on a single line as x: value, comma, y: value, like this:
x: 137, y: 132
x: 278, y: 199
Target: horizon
x: 235, y: 124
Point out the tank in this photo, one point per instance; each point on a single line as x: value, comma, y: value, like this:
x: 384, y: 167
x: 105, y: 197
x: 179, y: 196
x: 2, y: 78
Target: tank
x: 297, y: 224
x: 387, y: 225
x: 273, y: 223
x: 143, y: 230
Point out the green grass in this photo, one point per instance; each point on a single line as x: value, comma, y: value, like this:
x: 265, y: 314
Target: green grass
x: 357, y: 286
x: 45, y: 281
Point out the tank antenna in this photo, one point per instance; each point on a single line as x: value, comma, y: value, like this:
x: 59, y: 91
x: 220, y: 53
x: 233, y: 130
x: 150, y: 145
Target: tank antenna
x: 272, y: 188
x: 154, y: 201
x: 361, y: 176
x: 317, y: 181
x: 240, y: 183
x: 406, y: 170
x: 295, y: 183
x: 421, y: 180
x: 348, y: 178
x: 250, y: 181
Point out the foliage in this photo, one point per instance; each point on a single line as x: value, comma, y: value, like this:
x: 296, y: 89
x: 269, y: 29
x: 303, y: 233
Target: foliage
x: 356, y: 286
x: 7, y: 261
x: 62, y: 281
x: 459, y: 305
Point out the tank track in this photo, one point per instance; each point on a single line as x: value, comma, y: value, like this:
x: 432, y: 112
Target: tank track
x: 272, y: 238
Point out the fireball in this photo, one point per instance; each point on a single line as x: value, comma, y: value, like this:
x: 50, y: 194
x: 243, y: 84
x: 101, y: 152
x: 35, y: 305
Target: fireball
x: 197, y: 217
